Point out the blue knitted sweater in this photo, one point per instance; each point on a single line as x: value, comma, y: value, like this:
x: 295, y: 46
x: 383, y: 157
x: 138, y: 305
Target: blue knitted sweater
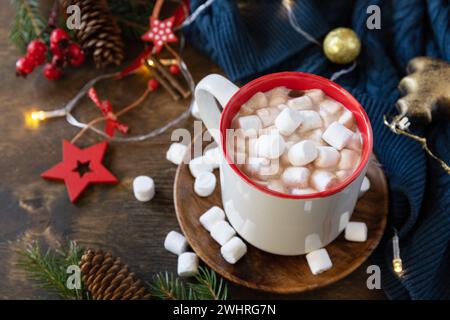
x: 249, y: 43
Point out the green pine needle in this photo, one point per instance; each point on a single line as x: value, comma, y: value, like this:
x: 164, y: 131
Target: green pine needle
x: 28, y: 23
x: 166, y: 286
x: 48, y: 269
x: 209, y: 286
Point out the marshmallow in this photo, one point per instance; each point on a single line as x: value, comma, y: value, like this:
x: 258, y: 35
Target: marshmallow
x: 276, y: 185
x: 302, y: 153
x: 337, y: 135
x: 327, y: 157
x: 347, y: 119
x: 327, y: 119
x: 323, y: 180
x: 343, y: 174
x: 211, y: 217
x: 315, y: 136
x: 254, y: 165
x: 252, y: 147
x: 247, y: 123
x: 259, y: 100
x: 310, y: 120
x: 316, y: 95
x: 318, y: 261
x: 199, y: 165
x: 222, y: 231
x: 233, y: 250
x: 267, y: 115
x: 281, y: 107
x: 204, y: 184
x: 194, y: 111
x: 270, y: 145
x: 331, y: 107
x: 143, y: 188
x: 365, y: 186
x: 356, y: 231
x: 175, y: 242
x: 349, y: 159
x: 297, y: 191
x: 355, y: 142
x: 187, y: 264
x: 213, y: 157
x: 277, y: 96
x: 301, y: 103
x: 268, y: 130
x: 176, y: 152
x: 288, y: 121
x: 296, y: 177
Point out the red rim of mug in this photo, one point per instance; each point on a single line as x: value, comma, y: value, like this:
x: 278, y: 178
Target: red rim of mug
x: 298, y: 81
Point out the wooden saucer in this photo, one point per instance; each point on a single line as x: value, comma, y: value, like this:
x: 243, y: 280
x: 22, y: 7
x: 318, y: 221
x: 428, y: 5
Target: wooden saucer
x: 273, y: 273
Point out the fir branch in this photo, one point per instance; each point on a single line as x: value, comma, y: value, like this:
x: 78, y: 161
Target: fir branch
x: 166, y: 286
x: 209, y: 286
x: 28, y: 23
x: 49, y: 269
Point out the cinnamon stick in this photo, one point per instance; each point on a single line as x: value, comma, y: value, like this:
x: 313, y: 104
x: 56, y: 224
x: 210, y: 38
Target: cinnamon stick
x: 166, y: 85
x: 172, y: 80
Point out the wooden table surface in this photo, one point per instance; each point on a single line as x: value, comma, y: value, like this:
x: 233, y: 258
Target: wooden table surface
x: 106, y: 217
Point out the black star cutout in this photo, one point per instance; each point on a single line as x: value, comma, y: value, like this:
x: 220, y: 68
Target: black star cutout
x: 82, y: 168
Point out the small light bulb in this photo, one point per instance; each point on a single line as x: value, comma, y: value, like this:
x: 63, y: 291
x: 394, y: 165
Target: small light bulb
x: 396, y: 261
x: 150, y: 63
x: 38, y: 115
x: 398, y: 266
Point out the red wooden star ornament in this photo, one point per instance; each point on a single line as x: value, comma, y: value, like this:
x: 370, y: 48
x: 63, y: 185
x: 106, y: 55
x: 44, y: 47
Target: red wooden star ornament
x: 80, y: 168
x: 160, y: 33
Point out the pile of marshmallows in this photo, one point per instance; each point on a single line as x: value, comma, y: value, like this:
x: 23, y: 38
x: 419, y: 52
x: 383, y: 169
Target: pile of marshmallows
x: 297, y: 145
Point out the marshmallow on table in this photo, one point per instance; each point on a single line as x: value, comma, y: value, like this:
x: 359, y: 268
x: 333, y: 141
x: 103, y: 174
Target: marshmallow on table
x: 297, y: 191
x: 296, y: 177
x: 187, y: 264
x: 365, y: 186
x: 175, y: 242
x: 316, y: 95
x: 270, y: 145
x: 323, y: 180
x: 251, y: 122
x: 349, y: 159
x: 175, y: 153
x: 222, y: 231
x: 143, y: 188
x: 301, y: 103
x: 267, y: 115
x: 347, y: 119
x: 211, y: 217
x: 288, y: 121
x: 257, y: 101
x: 310, y: 120
x: 195, y: 112
x: 204, y: 184
x: 199, y: 165
x: 302, y: 153
x: 277, y: 96
x: 356, y: 231
x: 213, y: 157
x: 319, y: 261
x: 233, y: 250
x: 337, y: 135
x: 327, y: 157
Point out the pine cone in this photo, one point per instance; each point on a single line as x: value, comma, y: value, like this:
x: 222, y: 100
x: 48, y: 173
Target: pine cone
x: 107, y: 278
x: 99, y: 34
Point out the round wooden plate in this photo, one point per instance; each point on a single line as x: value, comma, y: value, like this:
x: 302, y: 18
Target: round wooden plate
x: 273, y: 273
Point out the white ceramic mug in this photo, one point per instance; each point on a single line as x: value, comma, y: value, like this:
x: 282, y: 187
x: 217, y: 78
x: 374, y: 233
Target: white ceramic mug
x: 280, y: 223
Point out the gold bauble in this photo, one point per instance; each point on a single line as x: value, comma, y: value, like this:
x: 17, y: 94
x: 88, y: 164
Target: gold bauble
x: 342, y: 45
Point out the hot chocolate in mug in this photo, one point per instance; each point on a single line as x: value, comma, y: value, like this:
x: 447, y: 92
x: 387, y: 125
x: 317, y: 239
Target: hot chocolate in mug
x: 283, y: 224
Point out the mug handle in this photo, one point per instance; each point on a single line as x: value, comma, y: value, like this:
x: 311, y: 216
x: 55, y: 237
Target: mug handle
x: 210, y: 88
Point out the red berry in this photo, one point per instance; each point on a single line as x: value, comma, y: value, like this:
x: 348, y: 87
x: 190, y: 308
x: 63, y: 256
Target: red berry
x: 36, y: 51
x: 52, y: 72
x: 174, y: 69
x: 58, y: 35
x: 76, y: 55
x: 24, y: 66
x: 153, y: 84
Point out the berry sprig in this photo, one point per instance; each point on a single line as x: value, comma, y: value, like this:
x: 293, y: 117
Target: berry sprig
x: 65, y: 53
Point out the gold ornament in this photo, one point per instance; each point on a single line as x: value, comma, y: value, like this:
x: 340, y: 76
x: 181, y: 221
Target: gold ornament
x: 342, y: 45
